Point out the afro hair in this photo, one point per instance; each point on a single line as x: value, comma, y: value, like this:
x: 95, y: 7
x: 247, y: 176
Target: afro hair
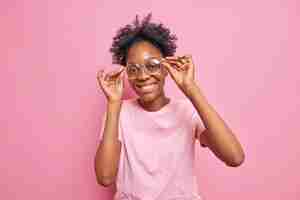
x: 157, y: 34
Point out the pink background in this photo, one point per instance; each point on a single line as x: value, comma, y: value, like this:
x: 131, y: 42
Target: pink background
x: 247, y: 59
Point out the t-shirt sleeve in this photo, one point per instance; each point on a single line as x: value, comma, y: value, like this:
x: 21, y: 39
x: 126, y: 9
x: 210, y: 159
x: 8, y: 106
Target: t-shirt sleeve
x: 197, y: 122
x: 100, y: 135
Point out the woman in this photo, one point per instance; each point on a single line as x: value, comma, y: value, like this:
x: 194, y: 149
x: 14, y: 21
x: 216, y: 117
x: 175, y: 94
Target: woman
x: 146, y: 145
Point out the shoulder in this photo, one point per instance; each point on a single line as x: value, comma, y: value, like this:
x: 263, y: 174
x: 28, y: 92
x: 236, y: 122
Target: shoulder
x: 128, y: 103
x: 182, y: 108
x: 128, y: 106
x: 185, y: 104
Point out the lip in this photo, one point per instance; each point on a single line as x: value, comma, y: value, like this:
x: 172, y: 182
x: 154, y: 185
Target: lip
x: 140, y: 86
x: 146, y: 88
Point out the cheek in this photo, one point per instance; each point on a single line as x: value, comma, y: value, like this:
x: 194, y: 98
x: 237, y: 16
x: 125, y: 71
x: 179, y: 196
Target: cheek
x: 161, y: 83
x: 159, y: 77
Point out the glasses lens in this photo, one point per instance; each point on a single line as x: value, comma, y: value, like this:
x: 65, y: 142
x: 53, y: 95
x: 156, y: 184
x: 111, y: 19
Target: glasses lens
x: 132, y: 70
x: 153, y: 65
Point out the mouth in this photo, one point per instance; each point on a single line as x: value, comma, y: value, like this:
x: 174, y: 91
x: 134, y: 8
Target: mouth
x: 147, y: 88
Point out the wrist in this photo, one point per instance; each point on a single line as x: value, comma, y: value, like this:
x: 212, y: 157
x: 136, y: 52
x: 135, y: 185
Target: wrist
x: 114, y: 104
x: 190, y: 89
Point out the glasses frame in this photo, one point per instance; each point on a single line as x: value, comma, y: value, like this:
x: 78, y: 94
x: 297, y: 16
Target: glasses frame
x: 151, y: 61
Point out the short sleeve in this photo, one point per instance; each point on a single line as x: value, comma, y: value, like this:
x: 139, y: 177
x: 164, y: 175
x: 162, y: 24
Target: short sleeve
x: 197, y: 121
x: 100, y: 135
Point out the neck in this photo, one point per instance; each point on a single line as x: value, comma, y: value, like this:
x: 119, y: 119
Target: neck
x: 154, y: 105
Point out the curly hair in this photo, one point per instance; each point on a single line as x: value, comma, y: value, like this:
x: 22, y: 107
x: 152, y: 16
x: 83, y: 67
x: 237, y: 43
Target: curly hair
x: 157, y: 34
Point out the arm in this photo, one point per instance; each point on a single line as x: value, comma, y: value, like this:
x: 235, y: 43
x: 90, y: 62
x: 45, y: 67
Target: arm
x: 108, y: 152
x: 217, y: 136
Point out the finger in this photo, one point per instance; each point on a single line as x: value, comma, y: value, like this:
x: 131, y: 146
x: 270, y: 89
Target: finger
x: 175, y: 62
x: 180, y: 59
x: 120, y: 78
x: 100, y: 75
x: 117, y: 73
x: 185, y: 66
x: 188, y: 57
x: 176, y: 65
x: 110, y: 76
x: 172, y: 57
x: 168, y: 67
x: 116, y: 79
x: 123, y: 73
x: 120, y: 81
x: 105, y: 77
x: 175, y: 57
x: 184, y: 59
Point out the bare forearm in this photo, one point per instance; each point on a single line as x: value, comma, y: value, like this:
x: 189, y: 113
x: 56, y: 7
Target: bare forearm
x: 221, y: 139
x: 112, y: 121
x: 108, y: 153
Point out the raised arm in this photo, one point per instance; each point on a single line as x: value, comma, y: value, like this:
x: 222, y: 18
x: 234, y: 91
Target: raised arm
x: 108, y: 152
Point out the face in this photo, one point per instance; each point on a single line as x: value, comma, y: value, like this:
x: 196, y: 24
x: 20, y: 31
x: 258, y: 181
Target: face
x: 148, y: 86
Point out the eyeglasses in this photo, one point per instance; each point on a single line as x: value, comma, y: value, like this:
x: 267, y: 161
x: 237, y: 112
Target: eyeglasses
x: 152, y: 66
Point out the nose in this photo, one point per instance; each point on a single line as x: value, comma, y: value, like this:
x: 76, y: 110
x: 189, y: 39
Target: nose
x: 142, y: 75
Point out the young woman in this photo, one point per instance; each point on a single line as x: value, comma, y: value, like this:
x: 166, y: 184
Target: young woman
x: 146, y: 144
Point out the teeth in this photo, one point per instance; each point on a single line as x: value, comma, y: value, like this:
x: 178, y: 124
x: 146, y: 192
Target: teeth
x: 146, y: 85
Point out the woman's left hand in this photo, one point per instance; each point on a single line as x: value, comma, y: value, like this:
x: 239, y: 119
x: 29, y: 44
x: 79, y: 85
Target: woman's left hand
x: 182, y: 71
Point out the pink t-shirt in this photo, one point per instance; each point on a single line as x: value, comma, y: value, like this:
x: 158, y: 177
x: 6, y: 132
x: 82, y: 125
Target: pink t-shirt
x: 157, y: 156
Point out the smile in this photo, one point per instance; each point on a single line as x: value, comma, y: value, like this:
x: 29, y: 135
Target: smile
x: 147, y: 88
x: 146, y: 85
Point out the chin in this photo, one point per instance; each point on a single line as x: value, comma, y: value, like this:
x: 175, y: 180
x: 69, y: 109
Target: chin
x: 148, y: 97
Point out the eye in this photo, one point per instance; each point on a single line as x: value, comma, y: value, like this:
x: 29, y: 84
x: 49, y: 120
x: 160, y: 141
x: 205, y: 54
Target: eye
x: 132, y: 69
x: 151, y: 66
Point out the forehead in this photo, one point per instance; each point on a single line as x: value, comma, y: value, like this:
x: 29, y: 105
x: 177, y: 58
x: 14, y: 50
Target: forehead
x: 141, y: 51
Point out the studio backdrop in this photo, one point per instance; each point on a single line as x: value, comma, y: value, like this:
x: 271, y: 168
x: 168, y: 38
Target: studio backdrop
x: 247, y: 62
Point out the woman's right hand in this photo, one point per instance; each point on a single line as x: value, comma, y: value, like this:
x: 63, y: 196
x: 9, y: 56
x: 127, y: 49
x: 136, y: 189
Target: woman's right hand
x: 112, y: 84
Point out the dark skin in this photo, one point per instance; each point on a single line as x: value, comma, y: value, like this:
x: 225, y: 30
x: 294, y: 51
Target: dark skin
x: 108, y: 153
x: 216, y: 135
x: 138, y: 53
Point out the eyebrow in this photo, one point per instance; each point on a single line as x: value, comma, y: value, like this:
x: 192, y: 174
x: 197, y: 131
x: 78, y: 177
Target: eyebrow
x: 135, y: 64
x: 130, y: 63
